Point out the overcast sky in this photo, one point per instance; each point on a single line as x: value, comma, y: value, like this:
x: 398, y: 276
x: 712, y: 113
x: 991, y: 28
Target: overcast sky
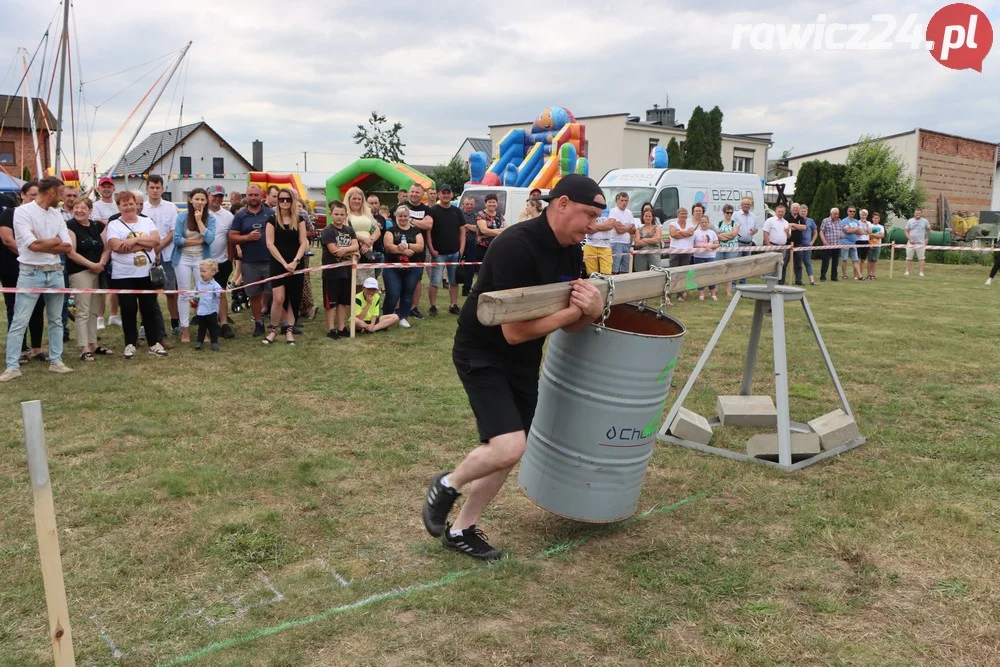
x: 301, y: 75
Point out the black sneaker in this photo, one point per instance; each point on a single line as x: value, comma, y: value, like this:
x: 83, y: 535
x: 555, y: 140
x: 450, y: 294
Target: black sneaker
x: 440, y: 499
x: 433, y: 311
x: 296, y: 330
x: 333, y: 333
x: 454, y: 310
x: 345, y: 333
x: 258, y: 329
x: 416, y: 314
x: 471, y: 542
x: 227, y: 331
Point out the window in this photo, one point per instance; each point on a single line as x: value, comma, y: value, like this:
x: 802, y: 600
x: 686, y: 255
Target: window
x: 7, y: 152
x: 653, y: 143
x: 743, y: 163
x: 666, y: 204
x: 185, y: 166
x: 637, y: 196
x: 218, y: 167
x: 478, y: 197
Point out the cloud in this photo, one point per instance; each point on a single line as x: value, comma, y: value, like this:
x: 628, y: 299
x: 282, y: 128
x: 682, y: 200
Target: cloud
x: 300, y: 75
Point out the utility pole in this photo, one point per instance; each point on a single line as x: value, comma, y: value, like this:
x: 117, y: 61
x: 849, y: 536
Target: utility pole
x: 305, y: 161
x: 64, y: 45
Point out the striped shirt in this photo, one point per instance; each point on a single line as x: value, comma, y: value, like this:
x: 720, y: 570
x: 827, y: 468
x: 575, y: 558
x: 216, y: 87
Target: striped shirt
x: 832, y: 231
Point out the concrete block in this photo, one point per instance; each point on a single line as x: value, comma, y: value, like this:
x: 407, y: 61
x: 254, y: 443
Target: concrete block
x: 746, y: 411
x: 766, y: 445
x: 835, y: 429
x: 691, y: 426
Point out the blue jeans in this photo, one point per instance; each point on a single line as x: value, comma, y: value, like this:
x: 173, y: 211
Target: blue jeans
x: 703, y: 260
x: 399, y: 286
x: 437, y: 272
x: 620, y: 258
x: 25, y: 304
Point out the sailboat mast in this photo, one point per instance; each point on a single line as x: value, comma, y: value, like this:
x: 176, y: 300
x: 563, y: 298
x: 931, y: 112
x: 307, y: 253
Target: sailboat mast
x: 64, y: 42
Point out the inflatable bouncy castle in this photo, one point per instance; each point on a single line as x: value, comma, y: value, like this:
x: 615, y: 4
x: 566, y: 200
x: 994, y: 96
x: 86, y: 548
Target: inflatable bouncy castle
x: 266, y: 179
x: 555, y: 145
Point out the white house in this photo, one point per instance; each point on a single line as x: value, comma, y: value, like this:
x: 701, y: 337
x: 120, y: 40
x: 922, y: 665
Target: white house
x: 472, y: 145
x: 188, y: 157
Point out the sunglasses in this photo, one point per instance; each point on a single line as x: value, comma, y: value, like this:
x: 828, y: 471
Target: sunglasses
x: 287, y: 199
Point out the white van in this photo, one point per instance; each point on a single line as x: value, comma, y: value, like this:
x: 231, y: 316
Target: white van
x: 670, y: 189
x: 510, y: 201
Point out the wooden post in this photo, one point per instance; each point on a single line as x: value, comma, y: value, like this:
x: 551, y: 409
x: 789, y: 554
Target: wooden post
x: 528, y: 303
x: 48, y: 535
x: 892, y: 258
x: 354, y: 286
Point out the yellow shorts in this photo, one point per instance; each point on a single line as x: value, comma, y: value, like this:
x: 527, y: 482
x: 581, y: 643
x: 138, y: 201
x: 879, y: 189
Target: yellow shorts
x: 597, y: 260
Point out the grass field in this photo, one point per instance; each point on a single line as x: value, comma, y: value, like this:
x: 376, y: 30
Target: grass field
x: 260, y: 506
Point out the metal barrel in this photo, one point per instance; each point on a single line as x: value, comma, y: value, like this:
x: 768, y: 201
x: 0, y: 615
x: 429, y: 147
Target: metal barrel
x: 600, y: 400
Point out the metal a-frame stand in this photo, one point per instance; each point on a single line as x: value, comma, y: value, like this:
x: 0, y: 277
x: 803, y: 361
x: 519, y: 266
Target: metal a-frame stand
x: 774, y: 296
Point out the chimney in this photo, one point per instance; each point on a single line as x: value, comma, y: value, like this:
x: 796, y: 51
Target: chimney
x: 258, y: 156
x: 664, y: 116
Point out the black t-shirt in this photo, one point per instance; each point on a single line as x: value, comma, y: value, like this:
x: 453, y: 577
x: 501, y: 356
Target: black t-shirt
x: 379, y: 245
x: 341, y: 238
x: 9, y: 270
x: 89, y: 243
x: 447, y: 231
x: 417, y: 213
x: 526, y: 254
x: 286, y: 241
x: 411, y: 234
x: 797, y: 236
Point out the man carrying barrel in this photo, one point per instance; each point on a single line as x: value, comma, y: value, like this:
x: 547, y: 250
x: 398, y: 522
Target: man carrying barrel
x: 499, y: 365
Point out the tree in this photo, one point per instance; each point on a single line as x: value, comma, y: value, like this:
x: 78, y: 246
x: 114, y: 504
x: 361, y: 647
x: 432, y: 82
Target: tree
x: 377, y: 141
x: 698, y: 143
x: 825, y: 199
x: 715, y: 134
x: 877, y: 179
x: 814, y: 173
x: 25, y: 173
x: 455, y: 174
x: 675, y: 157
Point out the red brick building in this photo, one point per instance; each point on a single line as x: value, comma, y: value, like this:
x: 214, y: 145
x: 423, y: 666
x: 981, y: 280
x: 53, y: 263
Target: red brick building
x: 17, y: 150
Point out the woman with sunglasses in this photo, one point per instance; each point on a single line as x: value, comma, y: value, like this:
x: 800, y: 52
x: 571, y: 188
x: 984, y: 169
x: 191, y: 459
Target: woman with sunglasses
x: 287, y: 242
x: 729, y: 240
x: 194, y: 232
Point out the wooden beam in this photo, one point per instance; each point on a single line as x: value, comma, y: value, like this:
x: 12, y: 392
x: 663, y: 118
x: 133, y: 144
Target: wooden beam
x: 48, y: 536
x: 528, y: 303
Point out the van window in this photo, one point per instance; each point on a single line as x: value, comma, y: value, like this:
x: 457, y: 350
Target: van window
x: 636, y: 197
x: 668, y: 203
x: 478, y: 196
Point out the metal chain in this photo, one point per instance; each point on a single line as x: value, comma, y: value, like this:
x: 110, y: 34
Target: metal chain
x: 666, y: 289
x: 610, y: 298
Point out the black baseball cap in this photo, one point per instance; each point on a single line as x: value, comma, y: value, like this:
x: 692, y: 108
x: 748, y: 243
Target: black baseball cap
x: 578, y: 188
x: 444, y: 187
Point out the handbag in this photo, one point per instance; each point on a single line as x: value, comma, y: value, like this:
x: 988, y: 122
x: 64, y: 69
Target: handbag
x: 157, y: 275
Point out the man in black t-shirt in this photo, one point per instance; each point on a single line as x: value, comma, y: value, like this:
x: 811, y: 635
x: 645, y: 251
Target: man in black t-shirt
x: 421, y: 218
x: 498, y: 365
x: 447, y: 245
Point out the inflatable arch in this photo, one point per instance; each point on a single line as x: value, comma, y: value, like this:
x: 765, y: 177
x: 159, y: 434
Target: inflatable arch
x: 366, y: 172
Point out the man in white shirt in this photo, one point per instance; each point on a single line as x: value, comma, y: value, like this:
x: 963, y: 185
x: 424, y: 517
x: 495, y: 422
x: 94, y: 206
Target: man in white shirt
x: 222, y: 252
x: 41, y: 236
x: 105, y: 206
x: 918, y: 231
x: 747, y: 221
x: 597, y: 248
x: 776, y: 232
x: 621, y: 234
x: 163, y: 214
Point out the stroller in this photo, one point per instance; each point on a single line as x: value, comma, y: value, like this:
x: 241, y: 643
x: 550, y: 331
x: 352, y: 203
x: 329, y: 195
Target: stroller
x: 238, y: 297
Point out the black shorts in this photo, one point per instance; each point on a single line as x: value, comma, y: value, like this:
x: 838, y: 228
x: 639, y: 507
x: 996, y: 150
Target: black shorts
x: 502, y: 404
x: 225, y: 270
x: 337, y: 291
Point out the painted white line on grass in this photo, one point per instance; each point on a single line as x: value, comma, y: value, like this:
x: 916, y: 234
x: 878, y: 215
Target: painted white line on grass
x: 336, y: 575
x: 102, y: 631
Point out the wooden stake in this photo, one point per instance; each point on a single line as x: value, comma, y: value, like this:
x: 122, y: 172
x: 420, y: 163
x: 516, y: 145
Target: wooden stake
x: 48, y: 535
x: 528, y: 303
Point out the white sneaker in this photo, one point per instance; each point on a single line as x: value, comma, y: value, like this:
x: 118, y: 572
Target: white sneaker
x: 404, y: 323
x: 114, y: 321
x: 60, y: 368
x: 921, y: 274
x: 906, y: 273
x: 9, y: 375
x: 989, y: 281
x: 130, y: 351
x: 100, y: 323
x: 157, y: 350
